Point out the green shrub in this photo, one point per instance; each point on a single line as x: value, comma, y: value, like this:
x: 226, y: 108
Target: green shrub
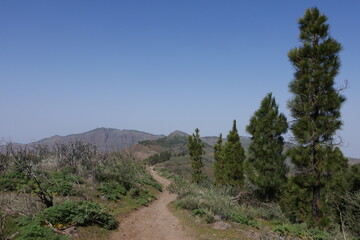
x: 149, y: 180
x: 181, y: 187
x: 254, y: 224
x: 60, y: 183
x: 143, y: 197
x: 112, y: 191
x: 61, y: 188
x: 302, y: 230
x: 124, y: 172
x: 239, y: 217
x: 350, y: 210
x: 317, y: 234
x: 81, y: 213
x: 210, y: 201
x: 12, y: 180
x: 198, y: 212
x: 297, y: 230
x: 204, y: 213
x: 158, y: 158
x: 209, y: 216
x: 190, y: 202
x: 143, y: 201
x: 33, y: 228
x: 271, y: 211
x: 165, y: 173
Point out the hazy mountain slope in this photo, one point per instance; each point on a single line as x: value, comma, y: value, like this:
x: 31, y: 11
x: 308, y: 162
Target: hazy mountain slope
x: 106, y: 139
x: 354, y: 161
x: 245, y: 141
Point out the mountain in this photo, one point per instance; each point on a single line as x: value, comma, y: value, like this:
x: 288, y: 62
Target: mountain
x: 176, y: 143
x: 177, y: 133
x: 245, y: 141
x: 106, y: 139
x: 354, y: 161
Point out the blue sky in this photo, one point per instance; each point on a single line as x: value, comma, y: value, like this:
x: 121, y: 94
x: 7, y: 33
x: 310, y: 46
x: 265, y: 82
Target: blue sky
x: 158, y: 66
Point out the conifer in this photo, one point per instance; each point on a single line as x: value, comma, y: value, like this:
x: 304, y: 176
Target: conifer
x: 233, y: 156
x: 219, y: 161
x: 196, y: 151
x: 266, y: 163
x: 315, y: 108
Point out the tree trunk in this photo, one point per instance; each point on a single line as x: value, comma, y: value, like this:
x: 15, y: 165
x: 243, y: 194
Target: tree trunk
x: 315, y: 203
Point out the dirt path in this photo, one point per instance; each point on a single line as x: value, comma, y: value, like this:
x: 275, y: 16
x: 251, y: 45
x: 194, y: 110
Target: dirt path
x: 154, y: 222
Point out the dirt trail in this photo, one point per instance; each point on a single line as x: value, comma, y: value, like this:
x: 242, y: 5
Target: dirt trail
x: 154, y: 222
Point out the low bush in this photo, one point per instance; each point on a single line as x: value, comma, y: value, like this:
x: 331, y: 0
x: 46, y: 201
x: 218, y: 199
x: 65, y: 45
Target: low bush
x: 147, y: 179
x: 34, y: 229
x: 12, y: 180
x: 165, y: 173
x: 181, y: 187
x: 112, y: 191
x: 143, y: 197
x: 213, y: 201
x: 158, y: 158
x: 271, y: 212
x: 60, y: 183
x: 349, y: 210
x: 124, y: 172
x: 301, y: 231
x: 198, y: 212
x: 80, y: 213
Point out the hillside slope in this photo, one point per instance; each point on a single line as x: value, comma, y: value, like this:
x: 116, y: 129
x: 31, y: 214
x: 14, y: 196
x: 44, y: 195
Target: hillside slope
x: 106, y: 139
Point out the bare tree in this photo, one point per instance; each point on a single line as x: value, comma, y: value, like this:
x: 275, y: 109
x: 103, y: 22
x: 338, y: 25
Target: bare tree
x: 77, y: 155
x: 25, y: 161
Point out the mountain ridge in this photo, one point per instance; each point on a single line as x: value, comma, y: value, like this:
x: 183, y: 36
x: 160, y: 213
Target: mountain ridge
x: 106, y: 139
x: 112, y: 139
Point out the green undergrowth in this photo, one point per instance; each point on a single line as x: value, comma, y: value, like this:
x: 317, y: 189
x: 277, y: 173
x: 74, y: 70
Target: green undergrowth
x: 164, y: 172
x: 201, y: 230
x: 57, y: 183
x: 301, y: 231
x: 60, y: 216
x: 210, y: 203
x: 116, y: 187
x: 81, y: 213
x: 112, y: 191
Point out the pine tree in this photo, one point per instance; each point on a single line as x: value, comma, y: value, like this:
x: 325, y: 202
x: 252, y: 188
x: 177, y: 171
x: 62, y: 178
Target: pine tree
x: 219, y: 161
x: 233, y: 156
x: 196, y: 151
x: 266, y: 163
x: 315, y: 108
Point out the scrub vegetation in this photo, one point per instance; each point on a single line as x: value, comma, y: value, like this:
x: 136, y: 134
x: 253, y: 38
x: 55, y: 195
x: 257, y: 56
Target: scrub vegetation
x: 45, y: 192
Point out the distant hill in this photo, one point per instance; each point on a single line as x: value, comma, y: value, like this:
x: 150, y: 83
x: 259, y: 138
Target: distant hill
x: 106, y: 139
x: 354, y: 161
x: 175, y: 142
x: 177, y: 133
x: 245, y: 141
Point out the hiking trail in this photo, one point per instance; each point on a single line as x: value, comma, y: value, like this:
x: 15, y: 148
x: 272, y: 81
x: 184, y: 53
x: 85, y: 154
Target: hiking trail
x: 154, y: 222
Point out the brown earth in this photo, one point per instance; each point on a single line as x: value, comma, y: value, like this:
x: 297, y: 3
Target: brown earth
x: 155, y: 222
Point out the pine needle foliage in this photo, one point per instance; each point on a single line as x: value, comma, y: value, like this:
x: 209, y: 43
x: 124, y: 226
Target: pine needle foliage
x: 196, y: 151
x: 315, y: 108
x: 233, y: 155
x: 266, y: 163
x: 219, y: 161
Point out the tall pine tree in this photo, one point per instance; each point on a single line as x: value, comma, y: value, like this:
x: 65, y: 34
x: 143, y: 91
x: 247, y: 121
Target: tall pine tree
x: 196, y: 151
x: 219, y: 161
x: 233, y: 156
x: 266, y: 163
x: 315, y: 107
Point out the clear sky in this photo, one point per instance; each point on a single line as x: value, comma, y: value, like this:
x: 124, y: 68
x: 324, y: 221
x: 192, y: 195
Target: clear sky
x: 158, y: 66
